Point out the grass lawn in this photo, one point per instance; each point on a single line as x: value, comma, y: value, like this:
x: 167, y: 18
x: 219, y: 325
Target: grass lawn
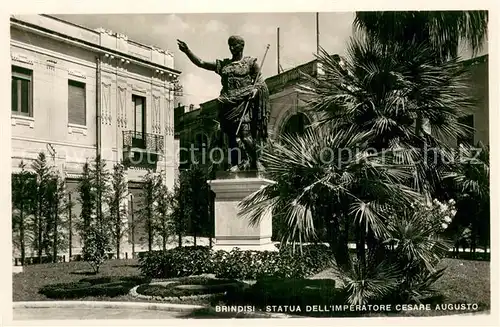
x: 466, y: 281
x: 25, y: 285
x: 463, y: 282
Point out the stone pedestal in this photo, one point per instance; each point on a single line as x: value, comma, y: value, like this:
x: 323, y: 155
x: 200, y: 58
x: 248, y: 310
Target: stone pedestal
x: 231, y: 229
x: 17, y: 269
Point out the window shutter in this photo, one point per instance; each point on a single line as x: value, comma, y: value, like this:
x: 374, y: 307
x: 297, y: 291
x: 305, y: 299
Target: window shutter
x: 25, y: 99
x: 14, y: 95
x: 76, y: 103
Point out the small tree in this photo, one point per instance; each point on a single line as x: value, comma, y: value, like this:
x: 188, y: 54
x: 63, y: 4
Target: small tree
x: 178, y: 215
x: 197, y: 199
x: 117, y: 209
x: 94, y: 228
x: 57, y: 204
x: 23, y: 199
x: 163, y: 211
x: 69, y: 207
x: 95, y: 248
x: 43, y: 176
x: 101, y: 184
x: 148, y: 205
x: 87, y: 199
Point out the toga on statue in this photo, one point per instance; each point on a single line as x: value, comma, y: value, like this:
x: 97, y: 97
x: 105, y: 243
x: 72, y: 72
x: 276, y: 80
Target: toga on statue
x: 243, y: 99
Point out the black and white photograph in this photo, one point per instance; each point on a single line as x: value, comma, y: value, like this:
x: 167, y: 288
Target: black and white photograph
x: 254, y: 165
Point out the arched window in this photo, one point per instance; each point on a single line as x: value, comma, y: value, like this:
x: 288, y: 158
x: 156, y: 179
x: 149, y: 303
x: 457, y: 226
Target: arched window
x: 296, y: 124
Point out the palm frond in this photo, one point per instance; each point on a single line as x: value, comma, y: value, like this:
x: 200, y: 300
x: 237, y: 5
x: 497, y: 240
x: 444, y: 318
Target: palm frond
x: 365, y: 283
x: 441, y: 29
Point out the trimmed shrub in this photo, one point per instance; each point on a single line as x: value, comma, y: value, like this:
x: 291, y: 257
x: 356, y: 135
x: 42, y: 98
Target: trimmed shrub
x: 286, y: 263
x: 102, y: 286
x: 237, y: 264
x: 177, y: 262
x: 175, y: 289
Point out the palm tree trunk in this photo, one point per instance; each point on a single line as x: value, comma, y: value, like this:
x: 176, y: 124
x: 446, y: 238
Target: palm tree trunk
x: 418, y: 124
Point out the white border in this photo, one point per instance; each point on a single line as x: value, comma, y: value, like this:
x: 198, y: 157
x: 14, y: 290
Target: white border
x: 150, y: 6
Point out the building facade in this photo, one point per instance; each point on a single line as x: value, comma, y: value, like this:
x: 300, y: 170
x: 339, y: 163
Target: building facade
x: 288, y: 114
x: 78, y: 92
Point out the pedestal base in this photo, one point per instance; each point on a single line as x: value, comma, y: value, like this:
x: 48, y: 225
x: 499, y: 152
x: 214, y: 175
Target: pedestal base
x: 229, y: 248
x: 232, y: 230
x: 17, y: 269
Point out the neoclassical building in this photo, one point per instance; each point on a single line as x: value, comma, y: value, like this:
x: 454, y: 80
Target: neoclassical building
x: 78, y: 92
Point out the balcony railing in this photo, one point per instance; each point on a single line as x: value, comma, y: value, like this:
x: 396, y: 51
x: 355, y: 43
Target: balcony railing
x: 145, y: 141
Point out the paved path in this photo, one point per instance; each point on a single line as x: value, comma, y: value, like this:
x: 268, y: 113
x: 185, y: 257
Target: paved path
x: 91, y: 313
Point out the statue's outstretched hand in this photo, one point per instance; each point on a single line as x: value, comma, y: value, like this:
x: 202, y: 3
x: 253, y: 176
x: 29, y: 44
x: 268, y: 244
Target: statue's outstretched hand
x: 182, y: 46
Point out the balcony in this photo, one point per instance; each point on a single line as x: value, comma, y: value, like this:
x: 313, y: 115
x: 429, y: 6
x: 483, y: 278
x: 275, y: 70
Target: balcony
x: 142, y: 149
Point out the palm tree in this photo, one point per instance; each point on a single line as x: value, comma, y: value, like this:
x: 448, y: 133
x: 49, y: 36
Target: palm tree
x: 363, y: 161
x: 383, y: 91
x: 442, y: 30
x: 328, y: 179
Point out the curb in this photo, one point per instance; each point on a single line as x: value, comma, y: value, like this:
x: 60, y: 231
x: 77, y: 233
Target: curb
x: 172, y: 307
x: 108, y: 305
x: 133, y: 292
x: 256, y: 314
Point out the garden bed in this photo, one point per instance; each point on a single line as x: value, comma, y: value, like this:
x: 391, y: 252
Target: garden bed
x: 463, y: 282
x: 188, y: 287
x: 111, y: 286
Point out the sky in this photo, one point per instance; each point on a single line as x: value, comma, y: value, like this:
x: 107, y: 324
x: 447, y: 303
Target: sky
x: 207, y: 34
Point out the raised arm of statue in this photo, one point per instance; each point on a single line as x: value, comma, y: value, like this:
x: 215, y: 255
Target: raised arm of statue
x: 194, y: 59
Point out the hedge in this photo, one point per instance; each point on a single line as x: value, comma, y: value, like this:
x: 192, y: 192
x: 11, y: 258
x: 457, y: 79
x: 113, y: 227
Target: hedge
x: 292, y: 292
x: 237, y: 264
x: 177, y: 262
x: 103, y: 286
x: 209, y: 286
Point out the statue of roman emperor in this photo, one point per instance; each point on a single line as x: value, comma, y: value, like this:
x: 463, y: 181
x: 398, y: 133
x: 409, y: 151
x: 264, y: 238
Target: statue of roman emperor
x: 243, y: 87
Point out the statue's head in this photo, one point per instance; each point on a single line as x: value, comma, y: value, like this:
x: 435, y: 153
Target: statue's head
x: 236, y: 44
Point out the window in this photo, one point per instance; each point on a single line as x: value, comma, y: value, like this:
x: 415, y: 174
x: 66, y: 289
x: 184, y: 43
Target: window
x: 469, y: 139
x: 22, y: 91
x: 139, y: 121
x: 76, y: 103
x: 139, y: 113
